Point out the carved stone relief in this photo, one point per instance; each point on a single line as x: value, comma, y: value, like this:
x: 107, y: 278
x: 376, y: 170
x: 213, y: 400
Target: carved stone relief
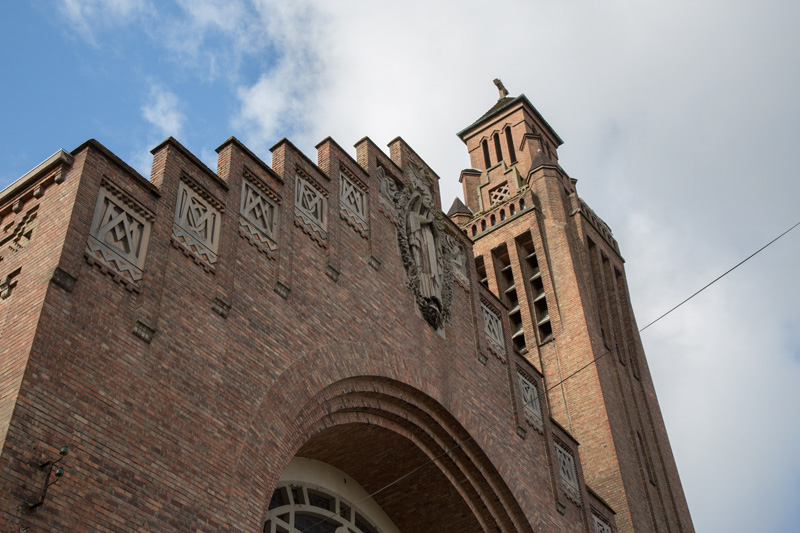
x: 258, y: 218
x: 353, y: 204
x: 600, y: 525
x: 567, y: 472
x: 197, y: 225
x: 119, y: 235
x: 311, y: 209
x: 494, y: 332
x: 425, y: 252
x: 387, y: 189
x: 531, y: 407
x: 459, y: 257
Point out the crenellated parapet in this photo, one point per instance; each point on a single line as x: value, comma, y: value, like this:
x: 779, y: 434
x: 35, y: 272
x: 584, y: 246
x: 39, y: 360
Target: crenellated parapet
x: 383, y: 207
x: 198, y: 303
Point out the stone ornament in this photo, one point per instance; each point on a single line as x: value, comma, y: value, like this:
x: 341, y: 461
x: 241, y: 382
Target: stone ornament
x: 258, y: 218
x: 425, y: 252
x: 197, y: 225
x: 119, y: 235
x: 600, y: 525
x: 493, y: 327
x: 567, y: 472
x: 459, y: 257
x: 353, y: 203
x: 499, y: 194
x: 387, y: 191
x: 531, y: 407
x: 311, y: 208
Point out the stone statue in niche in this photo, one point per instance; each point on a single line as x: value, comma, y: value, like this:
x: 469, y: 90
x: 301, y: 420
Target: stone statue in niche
x: 425, y: 251
x: 423, y: 246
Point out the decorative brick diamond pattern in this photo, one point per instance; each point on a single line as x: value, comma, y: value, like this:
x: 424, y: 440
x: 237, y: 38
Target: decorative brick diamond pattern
x: 569, y: 476
x: 499, y: 194
x: 258, y: 220
x: 531, y: 407
x: 119, y: 236
x: 197, y: 226
x: 310, y: 208
x: 353, y: 204
x: 494, y: 333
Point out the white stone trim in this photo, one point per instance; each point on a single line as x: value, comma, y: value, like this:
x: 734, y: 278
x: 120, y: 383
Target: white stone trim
x: 309, y: 476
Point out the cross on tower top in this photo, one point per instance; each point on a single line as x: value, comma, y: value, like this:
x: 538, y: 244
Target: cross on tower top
x: 501, y: 88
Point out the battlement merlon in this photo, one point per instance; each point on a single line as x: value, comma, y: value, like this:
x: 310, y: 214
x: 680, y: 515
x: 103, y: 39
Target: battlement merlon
x: 124, y: 225
x: 180, y: 183
x: 400, y: 154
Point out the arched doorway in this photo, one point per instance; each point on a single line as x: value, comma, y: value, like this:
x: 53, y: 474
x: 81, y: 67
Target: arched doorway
x: 371, y: 401
x: 413, y: 460
x: 315, y: 497
x: 394, y: 479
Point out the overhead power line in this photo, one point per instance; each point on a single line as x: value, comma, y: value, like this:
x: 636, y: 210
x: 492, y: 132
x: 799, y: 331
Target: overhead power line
x: 581, y: 369
x: 737, y: 265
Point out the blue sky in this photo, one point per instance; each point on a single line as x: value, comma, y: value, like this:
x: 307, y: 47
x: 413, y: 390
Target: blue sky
x: 680, y: 123
x: 74, y: 81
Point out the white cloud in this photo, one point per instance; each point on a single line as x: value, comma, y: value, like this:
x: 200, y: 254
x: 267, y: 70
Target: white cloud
x: 672, y: 123
x: 163, y: 111
x: 211, y: 35
x: 87, y: 16
x: 142, y: 161
x: 286, y: 97
x: 724, y: 371
x: 680, y: 124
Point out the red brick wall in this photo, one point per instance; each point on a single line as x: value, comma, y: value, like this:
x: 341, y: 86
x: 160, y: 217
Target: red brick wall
x: 34, y: 217
x: 191, y: 430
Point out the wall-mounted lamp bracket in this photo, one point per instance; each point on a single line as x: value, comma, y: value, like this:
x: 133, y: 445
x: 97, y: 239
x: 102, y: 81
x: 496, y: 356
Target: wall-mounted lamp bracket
x: 51, y: 469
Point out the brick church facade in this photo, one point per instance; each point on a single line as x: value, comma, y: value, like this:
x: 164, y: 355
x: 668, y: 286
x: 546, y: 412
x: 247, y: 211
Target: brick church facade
x: 315, y: 346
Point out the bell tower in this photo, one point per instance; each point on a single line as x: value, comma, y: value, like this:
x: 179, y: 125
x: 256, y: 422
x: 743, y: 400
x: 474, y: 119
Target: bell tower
x: 558, y: 269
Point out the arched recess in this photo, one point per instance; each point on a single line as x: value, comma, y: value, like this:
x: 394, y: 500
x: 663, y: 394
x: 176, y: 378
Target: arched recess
x: 363, y: 415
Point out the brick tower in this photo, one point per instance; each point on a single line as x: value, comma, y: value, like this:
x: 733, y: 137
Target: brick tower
x: 555, y: 264
x: 276, y: 347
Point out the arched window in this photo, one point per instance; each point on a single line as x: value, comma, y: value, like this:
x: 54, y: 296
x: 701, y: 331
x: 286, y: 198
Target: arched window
x: 511, y: 208
x: 474, y: 230
x: 497, y: 148
x: 494, y: 220
x: 483, y: 225
x: 296, y: 507
x: 521, y: 204
x: 512, y: 155
x: 486, y: 159
x: 502, y: 214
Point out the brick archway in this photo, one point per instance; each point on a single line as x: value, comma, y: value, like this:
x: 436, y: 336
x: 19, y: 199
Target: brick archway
x: 369, y: 394
x: 416, y: 494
